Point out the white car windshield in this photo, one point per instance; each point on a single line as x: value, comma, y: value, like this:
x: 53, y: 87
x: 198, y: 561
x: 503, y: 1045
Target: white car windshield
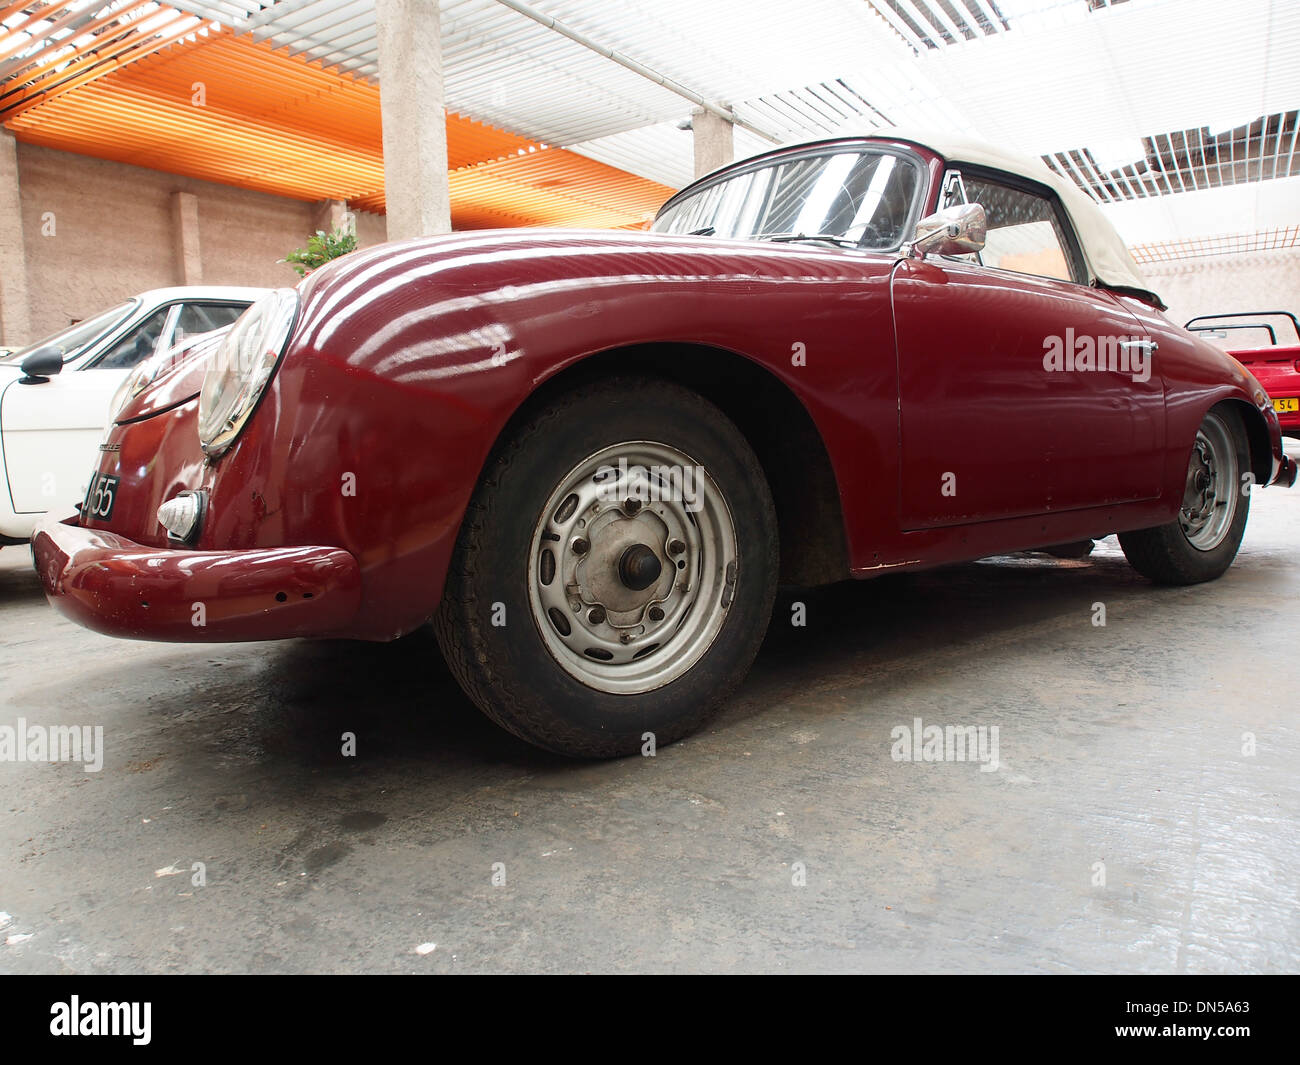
x: 75, y: 337
x: 857, y: 197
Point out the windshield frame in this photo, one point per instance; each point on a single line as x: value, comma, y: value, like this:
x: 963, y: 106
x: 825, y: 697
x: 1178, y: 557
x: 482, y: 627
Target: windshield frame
x: 127, y: 308
x: 920, y: 197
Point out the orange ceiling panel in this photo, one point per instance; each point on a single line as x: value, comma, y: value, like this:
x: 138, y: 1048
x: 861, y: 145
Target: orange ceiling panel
x: 227, y: 109
x: 552, y: 187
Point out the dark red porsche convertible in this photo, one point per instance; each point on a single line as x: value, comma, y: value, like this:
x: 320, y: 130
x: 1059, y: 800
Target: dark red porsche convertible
x: 590, y: 457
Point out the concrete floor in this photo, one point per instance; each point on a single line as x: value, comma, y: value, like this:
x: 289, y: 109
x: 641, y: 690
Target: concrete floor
x: 1120, y: 745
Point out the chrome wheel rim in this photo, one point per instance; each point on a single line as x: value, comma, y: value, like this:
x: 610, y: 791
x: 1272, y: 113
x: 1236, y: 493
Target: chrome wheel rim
x: 632, y: 567
x: 1210, y: 495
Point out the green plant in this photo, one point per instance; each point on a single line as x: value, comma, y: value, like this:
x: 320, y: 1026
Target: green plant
x: 321, y: 248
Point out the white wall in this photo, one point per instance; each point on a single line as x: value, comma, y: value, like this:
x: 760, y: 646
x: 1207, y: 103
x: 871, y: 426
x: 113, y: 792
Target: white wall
x: 1219, y: 284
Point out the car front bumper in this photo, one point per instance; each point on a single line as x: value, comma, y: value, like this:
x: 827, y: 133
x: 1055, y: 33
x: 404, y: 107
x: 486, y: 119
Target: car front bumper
x: 120, y: 588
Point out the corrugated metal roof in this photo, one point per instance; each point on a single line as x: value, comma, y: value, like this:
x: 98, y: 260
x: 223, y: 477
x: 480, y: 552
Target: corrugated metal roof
x: 1090, y: 84
x: 1189, y: 160
x: 50, y: 47
x: 512, y: 72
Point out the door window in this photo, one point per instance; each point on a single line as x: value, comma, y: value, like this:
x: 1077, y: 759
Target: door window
x: 1026, y: 231
x: 137, y: 345
x: 204, y: 317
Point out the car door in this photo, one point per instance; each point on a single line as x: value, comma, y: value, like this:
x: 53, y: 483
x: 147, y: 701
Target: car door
x: 51, y: 428
x: 1001, y: 415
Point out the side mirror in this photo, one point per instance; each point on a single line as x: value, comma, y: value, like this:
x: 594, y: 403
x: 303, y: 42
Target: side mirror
x: 43, y: 363
x: 956, y: 230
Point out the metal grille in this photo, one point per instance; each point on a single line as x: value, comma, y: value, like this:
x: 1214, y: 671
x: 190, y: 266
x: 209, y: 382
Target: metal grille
x: 929, y: 24
x: 1189, y: 160
x: 812, y: 110
x: 1230, y: 244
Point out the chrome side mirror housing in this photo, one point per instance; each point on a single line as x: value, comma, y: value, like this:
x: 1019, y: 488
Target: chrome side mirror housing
x: 956, y: 230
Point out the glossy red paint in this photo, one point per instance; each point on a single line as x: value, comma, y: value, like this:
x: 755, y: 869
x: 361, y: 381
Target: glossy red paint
x: 1277, y: 369
x: 119, y: 588
x: 1197, y: 375
x: 408, y: 361
x: 995, y: 390
x: 174, y: 383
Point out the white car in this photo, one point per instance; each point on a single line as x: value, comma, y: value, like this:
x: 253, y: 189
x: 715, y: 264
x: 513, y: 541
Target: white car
x: 56, y: 395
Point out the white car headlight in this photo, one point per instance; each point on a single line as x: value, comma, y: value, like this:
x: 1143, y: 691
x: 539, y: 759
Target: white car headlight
x: 239, y: 371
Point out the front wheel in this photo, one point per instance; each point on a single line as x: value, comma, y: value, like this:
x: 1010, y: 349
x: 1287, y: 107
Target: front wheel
x: 615, y: 572
x: 1202, y: 542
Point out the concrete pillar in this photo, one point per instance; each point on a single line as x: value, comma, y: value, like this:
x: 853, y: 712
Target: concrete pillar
x: 185, y: 238
x: 334, y: 214
x: 15, y: 328
x: 715, y: 143
x: 415, y: 123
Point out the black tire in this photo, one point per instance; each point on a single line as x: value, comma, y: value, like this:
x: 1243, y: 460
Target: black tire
x: 1166, y: 554
x: 508, y: 670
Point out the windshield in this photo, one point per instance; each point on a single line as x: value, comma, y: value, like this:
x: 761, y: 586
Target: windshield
x: 860, y: 196
x: 76, y: 337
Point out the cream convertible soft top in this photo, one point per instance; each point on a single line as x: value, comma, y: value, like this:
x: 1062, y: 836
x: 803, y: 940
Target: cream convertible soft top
x: 1108, y: 260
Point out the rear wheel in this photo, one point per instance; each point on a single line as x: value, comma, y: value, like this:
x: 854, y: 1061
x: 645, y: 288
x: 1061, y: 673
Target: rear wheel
x: 1202, y: 542
x: 615, y: 572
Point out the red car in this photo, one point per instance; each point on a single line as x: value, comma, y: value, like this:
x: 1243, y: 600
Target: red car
x: 590, y: 457
x: 1275, y: 365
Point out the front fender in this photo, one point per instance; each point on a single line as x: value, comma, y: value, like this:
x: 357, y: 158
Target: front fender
x: 409, y: 360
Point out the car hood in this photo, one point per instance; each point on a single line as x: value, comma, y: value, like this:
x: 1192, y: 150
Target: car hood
x: 460, y: 265
x: 178, y: 380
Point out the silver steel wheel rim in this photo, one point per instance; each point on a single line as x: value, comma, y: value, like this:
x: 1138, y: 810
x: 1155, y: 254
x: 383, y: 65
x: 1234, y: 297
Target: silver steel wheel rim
x: 610, y: 521
x: 1210, y: 495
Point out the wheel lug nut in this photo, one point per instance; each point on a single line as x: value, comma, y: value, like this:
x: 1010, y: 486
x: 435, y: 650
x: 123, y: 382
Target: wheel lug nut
x: 596, y: 615
x: 656, y: 614
x: 632, y: 506
x: 579, y: 546
x: 676, y: 547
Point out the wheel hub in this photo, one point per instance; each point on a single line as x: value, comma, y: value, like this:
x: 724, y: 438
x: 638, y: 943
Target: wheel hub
x: 1208, y: 497
x: 620, y: 571
x: 629, y: 585
x: 639, y: 567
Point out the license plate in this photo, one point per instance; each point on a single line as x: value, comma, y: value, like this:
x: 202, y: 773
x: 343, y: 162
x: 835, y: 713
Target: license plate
x: 1287, y: 405
x: 100, y: 497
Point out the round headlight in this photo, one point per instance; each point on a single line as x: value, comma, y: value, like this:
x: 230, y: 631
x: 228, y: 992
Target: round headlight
x: 239, y: 370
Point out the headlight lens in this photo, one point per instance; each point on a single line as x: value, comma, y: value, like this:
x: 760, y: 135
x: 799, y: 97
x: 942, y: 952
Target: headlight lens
x: 240, y: 369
